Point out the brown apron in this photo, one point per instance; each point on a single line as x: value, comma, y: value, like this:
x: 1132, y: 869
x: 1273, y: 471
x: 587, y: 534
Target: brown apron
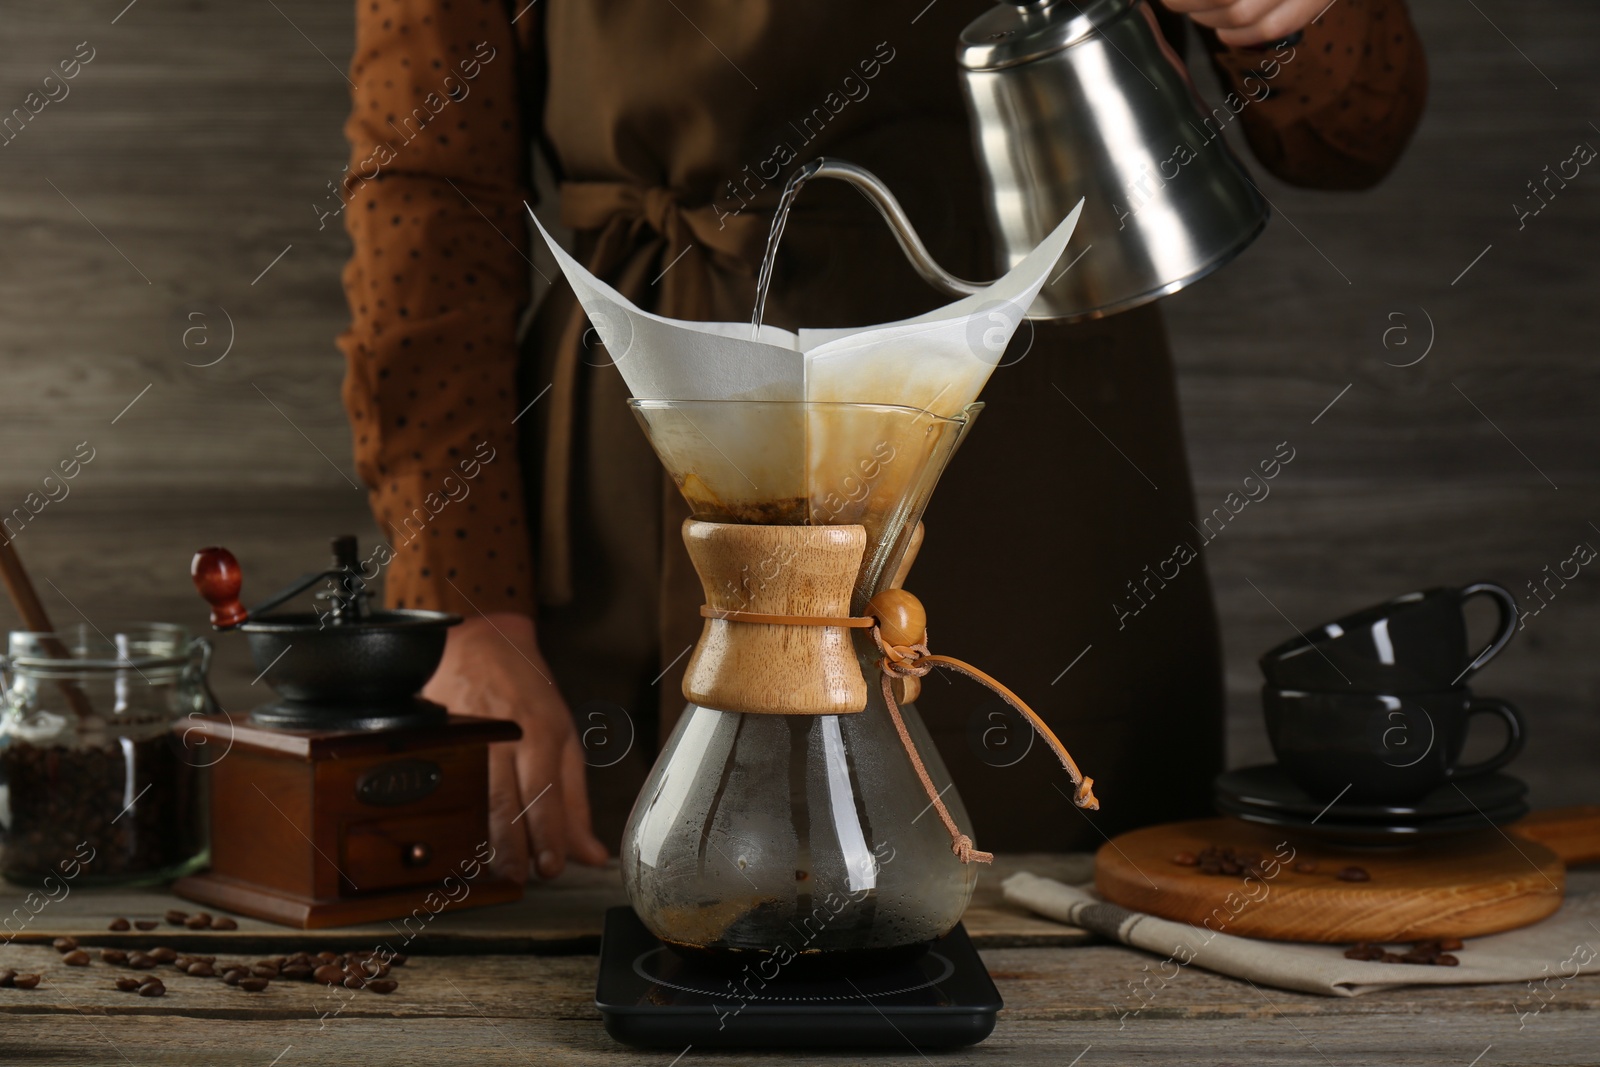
x: 1039, y: 522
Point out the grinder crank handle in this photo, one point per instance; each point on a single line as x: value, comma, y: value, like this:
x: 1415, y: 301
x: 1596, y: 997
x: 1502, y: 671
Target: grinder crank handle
x: 217, y: 576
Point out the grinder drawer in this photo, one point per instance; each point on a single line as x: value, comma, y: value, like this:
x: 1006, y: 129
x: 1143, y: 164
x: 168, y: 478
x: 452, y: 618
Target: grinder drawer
x: 413, y: 850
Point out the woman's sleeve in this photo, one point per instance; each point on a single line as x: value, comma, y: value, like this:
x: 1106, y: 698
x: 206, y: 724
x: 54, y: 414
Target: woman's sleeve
x: 1335, y: 109
x: 434, y: 198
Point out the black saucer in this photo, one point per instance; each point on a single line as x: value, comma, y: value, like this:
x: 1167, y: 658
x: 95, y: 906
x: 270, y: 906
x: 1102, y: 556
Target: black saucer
x: 1264, y: 795
x: 653, y: 998
x: 1268, y: 788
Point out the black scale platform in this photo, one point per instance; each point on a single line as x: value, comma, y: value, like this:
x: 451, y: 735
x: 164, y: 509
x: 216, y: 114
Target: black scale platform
x: 653, y: 998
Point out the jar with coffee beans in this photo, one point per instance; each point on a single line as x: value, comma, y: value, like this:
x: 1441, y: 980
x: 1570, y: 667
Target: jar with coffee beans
x: 97, y: 784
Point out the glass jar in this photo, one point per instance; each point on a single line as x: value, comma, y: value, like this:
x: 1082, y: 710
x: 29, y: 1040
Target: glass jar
x: 95, y: 783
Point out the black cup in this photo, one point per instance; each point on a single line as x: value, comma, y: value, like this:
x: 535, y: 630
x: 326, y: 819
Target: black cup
x: 1414, y: 643
x: 1381, y: 748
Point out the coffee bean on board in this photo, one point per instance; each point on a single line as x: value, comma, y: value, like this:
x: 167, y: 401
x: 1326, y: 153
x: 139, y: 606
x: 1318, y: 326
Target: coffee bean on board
x: 145, y: 924
x: 253, y: 985
x: 153, y: 988
x: 296, y: 972
x: 64, y: 944
x: 163, y: 954
x: 176, y: 917
x: 1450, y: 944
x: 201, y: 969
x: 140, y: 961
x: 76, y: 958
x: 224, y: 923
x: 328, y: 974
x: 6, y: 977
x: 26, y: 981
x: 127, y: 985
x: 383, y: 985
x: 119, y: 925
x: 113, y: 955
x: 233, y: 975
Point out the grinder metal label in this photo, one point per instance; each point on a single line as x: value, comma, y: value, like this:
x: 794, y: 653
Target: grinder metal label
x: 399, y: 782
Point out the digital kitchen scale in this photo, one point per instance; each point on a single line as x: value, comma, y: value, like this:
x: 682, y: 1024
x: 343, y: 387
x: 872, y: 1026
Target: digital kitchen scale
x: 651, y: 997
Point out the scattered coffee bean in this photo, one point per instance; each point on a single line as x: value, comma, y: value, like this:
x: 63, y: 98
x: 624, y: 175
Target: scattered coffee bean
x: 354, y: 981
x: 1450, y: 944
x: 233, y: 975
x: 64, y: 944
x: 145, y: 924
x: 398, y: 959
x: 1424, y: 953
x: 1306, y: 866
x: 113, y: 955
x: 1226, y: 860
x: 140, y: 961
x: 153, y: 988
x: 163, y: 954
x: 26, y: 981
x: 6, y: 977
x: 201, y: 969
x: 298, y: 972
x: 1186, y: 859
x: 328, y: 974
x: 176, y: 917
x: 127, y: 985
x: 119, y: 925
x: 264, y: 970
x: 1353, y: 874
x: 224, y: 923
x: 383, y: 985
x: 76, y: 958
x: 253, y: 985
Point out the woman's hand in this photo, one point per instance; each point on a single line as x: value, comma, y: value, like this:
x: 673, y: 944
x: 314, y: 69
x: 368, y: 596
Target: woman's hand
x: 537, y: 804
x: 1247, y: 22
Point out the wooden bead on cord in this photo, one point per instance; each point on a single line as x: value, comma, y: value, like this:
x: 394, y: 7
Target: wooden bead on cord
x: 901, y: 617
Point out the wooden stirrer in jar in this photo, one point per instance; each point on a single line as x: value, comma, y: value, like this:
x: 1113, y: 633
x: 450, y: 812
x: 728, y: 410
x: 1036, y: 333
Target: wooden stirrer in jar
x: 26, y: 600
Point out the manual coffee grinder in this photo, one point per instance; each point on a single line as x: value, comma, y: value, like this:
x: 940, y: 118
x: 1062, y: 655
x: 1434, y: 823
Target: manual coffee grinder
x: 349, y: 799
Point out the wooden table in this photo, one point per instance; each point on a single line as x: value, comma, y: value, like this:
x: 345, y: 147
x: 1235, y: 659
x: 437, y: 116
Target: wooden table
x: 514, y: 985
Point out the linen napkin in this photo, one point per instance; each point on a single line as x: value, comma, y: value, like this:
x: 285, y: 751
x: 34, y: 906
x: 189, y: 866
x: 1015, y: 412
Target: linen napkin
x: 1549, y: 953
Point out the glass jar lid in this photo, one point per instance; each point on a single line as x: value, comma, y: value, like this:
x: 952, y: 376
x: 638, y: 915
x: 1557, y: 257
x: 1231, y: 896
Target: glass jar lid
x: 83, y: 648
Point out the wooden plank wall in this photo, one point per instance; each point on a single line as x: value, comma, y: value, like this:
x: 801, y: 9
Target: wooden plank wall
x: 188, y: 155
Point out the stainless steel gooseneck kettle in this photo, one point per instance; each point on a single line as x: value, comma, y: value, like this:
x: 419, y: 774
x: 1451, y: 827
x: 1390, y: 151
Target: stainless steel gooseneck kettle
x: 1087, y: 100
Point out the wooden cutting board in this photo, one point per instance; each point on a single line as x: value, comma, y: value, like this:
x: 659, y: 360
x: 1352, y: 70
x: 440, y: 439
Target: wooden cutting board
x: 1463, y: 886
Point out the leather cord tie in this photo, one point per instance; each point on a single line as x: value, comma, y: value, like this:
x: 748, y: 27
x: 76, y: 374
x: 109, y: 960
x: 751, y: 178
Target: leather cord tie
x: 896, y: 617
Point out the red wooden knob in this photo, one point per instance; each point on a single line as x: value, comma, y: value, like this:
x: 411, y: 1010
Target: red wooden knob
x: 218, y: 577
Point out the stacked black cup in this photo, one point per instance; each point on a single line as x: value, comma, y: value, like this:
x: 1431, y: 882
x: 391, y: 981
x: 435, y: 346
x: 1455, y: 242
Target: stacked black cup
x: 1373, y: 709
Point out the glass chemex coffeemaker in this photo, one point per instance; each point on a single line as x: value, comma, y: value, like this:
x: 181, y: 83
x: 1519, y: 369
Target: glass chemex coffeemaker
x: 798, y: 860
